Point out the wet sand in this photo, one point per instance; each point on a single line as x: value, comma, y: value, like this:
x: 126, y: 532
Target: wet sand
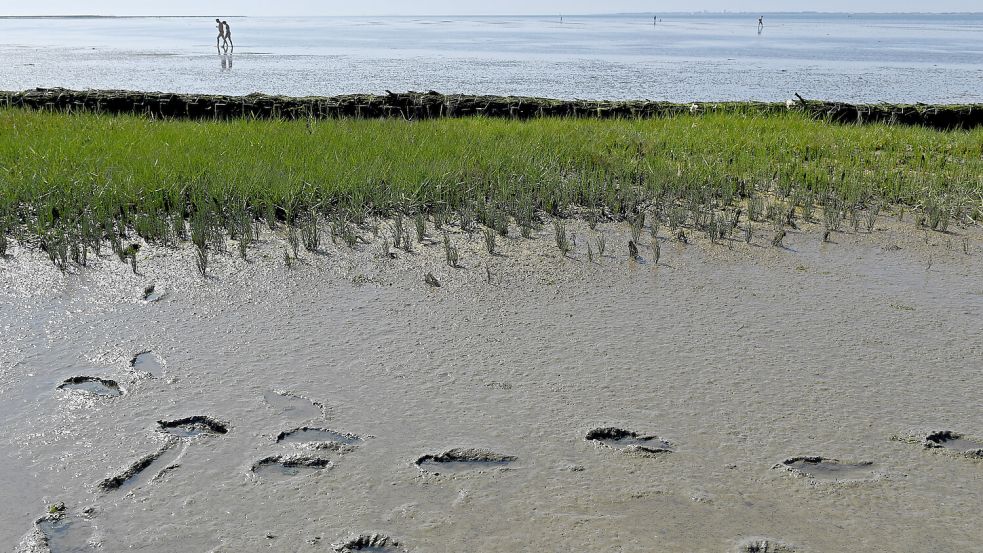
x: 740, y: 357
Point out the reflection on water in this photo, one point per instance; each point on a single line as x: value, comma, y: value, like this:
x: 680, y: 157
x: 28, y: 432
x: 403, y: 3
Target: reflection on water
x: 226, y: 62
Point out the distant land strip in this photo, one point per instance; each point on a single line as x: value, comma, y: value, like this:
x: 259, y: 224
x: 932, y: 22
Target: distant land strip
x: 430, y: 105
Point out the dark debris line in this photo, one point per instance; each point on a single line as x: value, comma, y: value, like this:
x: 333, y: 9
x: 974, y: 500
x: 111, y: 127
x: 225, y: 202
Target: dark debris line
x: 432, y: 105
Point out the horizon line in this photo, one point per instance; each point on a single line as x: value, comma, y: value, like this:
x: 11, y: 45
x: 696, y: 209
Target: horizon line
x: 579, y: 14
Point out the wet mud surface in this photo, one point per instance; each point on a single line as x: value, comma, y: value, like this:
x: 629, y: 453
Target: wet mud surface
x: 740, y: 355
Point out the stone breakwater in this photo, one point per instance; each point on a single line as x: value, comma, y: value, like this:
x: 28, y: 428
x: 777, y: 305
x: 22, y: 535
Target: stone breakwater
x: 430, y: 105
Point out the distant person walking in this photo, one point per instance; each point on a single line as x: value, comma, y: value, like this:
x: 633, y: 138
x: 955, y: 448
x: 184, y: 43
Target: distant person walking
x: 228, y: 45
x: 761, y: 24
x: 221, y: 34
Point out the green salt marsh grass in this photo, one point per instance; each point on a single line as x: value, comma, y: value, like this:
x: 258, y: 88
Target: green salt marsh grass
x: 88, y: 174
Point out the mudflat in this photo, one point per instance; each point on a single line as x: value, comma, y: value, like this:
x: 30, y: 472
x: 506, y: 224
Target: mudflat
x: 737, y: 361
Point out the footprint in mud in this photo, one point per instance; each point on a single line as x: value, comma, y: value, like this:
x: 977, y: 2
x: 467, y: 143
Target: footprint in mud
x: 318, y: 438
x: 374, y: 543
x: 954, y: 442
x: 192, y: 427
x: 60, y: 534
x: 464, y: 460
x: 293, y: 405
x: 821, y: 468
x: 628, y: 441
x: 92, y: 385
x: 146, y: 469
x: 152, y: 294
x: 763, y: 545
x: 149, y: 363
x: 281, y: 467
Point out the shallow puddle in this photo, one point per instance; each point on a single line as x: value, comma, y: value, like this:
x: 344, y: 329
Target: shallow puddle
x: 92, y: 385
x: 148, y: 363
x: 828, y: 469
x: 288, y: 467
x: 463, y: 460
x: 191, y: 427
x: 619, y: 438
x: 67, y: 535
x: 953, y: 441
x: 293, y: 406
x: 313, y: 435
x: 145, y: 470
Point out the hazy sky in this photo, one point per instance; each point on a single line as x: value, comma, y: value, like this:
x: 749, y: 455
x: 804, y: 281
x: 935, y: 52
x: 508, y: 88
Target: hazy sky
x: 450, y: 7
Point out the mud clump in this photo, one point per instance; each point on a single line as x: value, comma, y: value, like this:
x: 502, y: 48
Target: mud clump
x: 190, y: 427
x: 315, y: 436
x: 375, y: 543
x: 288, y: 467
x: 92, y: 385
x: 629, y: 441
x: 464, y: 460
x: 822, y: 468
x: 763, y: 545
x: 145, y: 469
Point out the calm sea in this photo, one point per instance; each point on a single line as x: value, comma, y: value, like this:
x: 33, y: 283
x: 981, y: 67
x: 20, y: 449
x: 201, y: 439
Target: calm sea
x: 861, y: 58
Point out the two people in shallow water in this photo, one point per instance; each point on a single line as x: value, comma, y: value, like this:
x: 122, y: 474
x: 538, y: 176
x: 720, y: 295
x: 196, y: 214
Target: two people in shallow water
x: 224, y: 40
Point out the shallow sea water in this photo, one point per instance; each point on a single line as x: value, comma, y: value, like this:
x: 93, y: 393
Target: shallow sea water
x: 742, y: 356
x: 858, y: 58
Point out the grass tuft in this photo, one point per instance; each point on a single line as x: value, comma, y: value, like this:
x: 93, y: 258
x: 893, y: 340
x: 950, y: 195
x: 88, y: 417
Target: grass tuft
x: 560, y: 234
x: 450, y: 252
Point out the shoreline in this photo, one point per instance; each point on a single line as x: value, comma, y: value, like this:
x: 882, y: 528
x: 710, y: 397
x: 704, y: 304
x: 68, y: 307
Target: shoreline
x: 434, y: 105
